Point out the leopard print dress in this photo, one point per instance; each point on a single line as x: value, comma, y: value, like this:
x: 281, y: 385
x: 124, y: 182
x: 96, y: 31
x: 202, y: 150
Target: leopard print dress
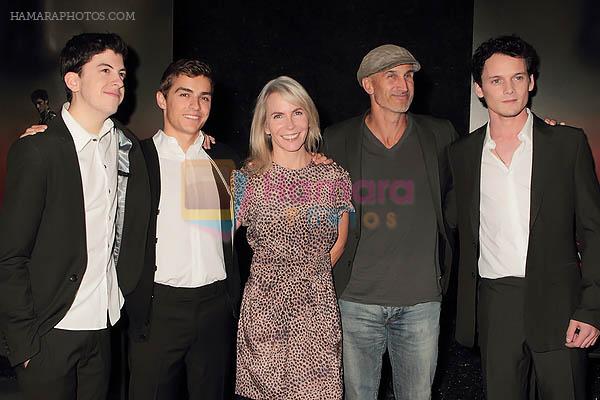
x: 289, y: 336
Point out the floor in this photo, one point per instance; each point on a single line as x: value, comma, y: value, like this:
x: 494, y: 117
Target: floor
x: 458, y: 376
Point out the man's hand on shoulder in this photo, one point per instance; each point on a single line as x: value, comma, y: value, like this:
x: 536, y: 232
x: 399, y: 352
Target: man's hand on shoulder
x: 319, y: 158
x: 581, y: 335
x: 208, y: 141
x: 553, y: 122
x: 33, y: 129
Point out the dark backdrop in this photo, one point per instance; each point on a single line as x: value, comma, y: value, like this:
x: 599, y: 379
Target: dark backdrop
x: 321, y: 45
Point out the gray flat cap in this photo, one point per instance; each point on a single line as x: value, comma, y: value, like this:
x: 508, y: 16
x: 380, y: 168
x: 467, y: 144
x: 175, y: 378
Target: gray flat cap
x: 384, y: 57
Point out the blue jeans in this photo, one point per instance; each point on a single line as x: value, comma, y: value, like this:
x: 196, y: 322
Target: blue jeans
x: 410, y: 335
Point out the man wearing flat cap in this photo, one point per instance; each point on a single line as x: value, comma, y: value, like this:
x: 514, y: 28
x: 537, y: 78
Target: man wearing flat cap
x: 395, y: 267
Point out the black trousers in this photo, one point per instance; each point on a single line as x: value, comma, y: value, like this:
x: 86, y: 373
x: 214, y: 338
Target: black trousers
x: 70, y: 365
x: 192, y: 335
x: 510, y: 367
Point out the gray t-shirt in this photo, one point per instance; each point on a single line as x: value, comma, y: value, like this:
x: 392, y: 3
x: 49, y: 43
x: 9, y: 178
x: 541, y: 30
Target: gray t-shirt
x: 396, y: 258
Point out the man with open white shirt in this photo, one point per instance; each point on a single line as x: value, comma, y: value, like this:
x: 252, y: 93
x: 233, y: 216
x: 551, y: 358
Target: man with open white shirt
x: 72, y: 231
x: 99, y: 290
x: 182, y: 315
x: 526, y: 194
x: 504, y: 207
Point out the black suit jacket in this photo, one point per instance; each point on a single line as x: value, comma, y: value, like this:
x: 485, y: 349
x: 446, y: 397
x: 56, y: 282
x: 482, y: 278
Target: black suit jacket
x: 343, y: 143
x: 43, y: 252
x: 138, y: 303
x: 565, y: 199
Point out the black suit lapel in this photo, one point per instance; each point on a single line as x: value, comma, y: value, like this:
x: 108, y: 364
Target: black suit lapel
x: 224, y: 169
x: 153, y: 168
x: 73, y: 182
x: 475, y: 165
x: 354, y: 152
x: 136, y: 208
x: 542, y: 158
x: 430, y: 157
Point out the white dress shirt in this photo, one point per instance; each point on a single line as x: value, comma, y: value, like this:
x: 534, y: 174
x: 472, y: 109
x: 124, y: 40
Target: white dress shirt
x: 99, y: 293
x: 504, y: 207
x: 189, y: 250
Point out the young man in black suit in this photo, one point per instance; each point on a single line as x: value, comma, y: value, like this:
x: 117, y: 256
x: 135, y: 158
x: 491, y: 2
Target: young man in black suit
x: 182, y: 314
x: 73, y: 224
x: 525, y: 194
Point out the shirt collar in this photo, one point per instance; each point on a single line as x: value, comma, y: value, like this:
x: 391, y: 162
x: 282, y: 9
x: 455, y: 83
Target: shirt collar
x: 525, y: 135
x: 169, y: 147
x: 81, y: 137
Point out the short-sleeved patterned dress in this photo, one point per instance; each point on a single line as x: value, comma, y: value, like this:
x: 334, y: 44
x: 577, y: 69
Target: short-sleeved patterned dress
x: 289, y: 336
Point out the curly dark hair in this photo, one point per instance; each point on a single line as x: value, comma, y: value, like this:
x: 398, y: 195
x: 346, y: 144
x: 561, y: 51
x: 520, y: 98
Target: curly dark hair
x: 80, y: 49
x: 512, y: 46
x: 186, y: 66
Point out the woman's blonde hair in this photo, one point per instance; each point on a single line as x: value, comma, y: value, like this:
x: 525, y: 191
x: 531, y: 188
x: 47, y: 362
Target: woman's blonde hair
x: 261, y: 146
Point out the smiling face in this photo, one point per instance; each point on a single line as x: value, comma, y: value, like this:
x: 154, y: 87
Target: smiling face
x: 392, y: 89
x: 99, y: 88
x: 186, y: 106
x: 287, y: 124
x: 505, y: 85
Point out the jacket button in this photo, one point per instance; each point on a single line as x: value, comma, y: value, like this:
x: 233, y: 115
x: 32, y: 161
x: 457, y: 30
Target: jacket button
x: 155, y: 240
x: 473, y: 275
x: 157, y: 211
x: 73, y: 278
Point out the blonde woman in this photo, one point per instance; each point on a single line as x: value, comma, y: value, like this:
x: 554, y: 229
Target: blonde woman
x: 289, y: 337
